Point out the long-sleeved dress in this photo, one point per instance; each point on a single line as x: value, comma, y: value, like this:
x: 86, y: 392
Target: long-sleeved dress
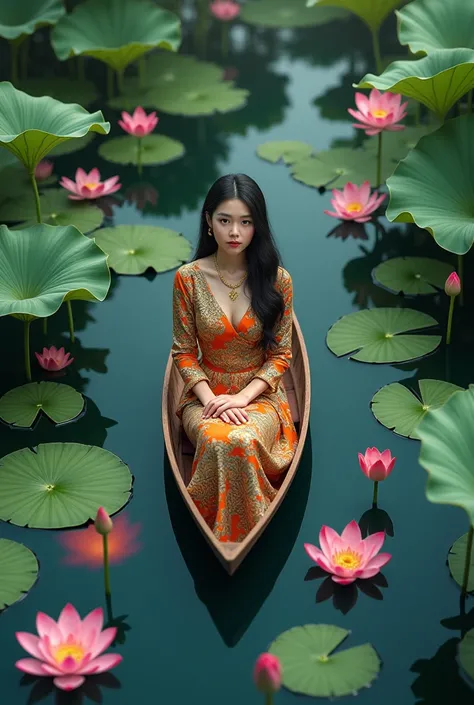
x: 234, y: 466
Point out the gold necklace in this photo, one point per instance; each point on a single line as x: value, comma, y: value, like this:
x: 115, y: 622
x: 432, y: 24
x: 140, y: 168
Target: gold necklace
x: 233, y: 293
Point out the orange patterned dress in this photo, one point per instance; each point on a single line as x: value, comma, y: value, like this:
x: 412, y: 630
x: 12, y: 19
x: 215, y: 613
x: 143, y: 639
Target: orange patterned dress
x: 234, y: 466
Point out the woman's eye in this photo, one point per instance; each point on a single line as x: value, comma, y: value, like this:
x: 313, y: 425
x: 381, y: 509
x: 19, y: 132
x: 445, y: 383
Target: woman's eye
x: 223, y: 221
x: 247, y: 222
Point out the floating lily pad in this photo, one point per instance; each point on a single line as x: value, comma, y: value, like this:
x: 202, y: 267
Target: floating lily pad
x: 18, y: 572
x: 30, y: 127
x: 412, y: 275
x: 336, y: 167
x: 372, y: 12
x: 22, y: 18
x: 63, y: 89
x: 117, y: 32
x: 398, y: 408
x: 220, y: 97
x: 447, y: 450
x: 432, y: 187
x: 56, y: 209
x: 457, y: 561
x: 58, y: 485
x: 311, y: 668
x: 438, y: 80
x: 379, y: 335
x: 72, y: 146
x: 21, y: 406
x: 466, y: 653
x: 281, y: 13
x: 155, y: 149
x: 427, y: 25
x: 289, y: 152
x: 132, y: 249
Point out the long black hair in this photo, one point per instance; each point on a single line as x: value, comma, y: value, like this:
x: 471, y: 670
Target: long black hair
x: 262, y: 253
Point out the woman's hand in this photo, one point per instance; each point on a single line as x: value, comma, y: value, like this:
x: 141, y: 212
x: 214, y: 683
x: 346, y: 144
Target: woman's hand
x: 233, y: 405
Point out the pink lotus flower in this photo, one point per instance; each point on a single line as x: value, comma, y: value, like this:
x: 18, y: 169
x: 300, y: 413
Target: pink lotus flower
x: 348, y: 557
x: 68, y: 649
x: 375, y: 465
x: 43, y: 170
x: 103, y: 523
x: 88, y: 186
x: 139, y: 124
x: 225, y: 10
x: 452, y: 286
x: 267, y: 674
x: 54, y: 360
x: 378, y: 112
x: 355, y: 202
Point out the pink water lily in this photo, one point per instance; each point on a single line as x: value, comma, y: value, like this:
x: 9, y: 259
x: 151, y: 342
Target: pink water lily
x: 89, y: 186
x: 43, y: 170
x: 53, y: 360
x: 375, y: 465
x: 267, y: 673
x: 139, y: 124
x: 68, y: 649
x: 378, y: 112
x: 348, y: 557
x: 225, y: 10
x: 355, y: 202
x: 452, y: 286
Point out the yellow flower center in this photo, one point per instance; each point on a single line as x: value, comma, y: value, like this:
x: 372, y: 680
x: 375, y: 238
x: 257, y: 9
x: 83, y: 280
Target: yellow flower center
x: 347, y: 559
x: 379, y: 113
x: 354, y: 207
x: 65, y: 651
x: 92, y: 185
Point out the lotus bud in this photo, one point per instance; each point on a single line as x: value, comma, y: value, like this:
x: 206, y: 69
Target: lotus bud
x: 103, y: 523
x: 267, y: 674
x: 453, y: 285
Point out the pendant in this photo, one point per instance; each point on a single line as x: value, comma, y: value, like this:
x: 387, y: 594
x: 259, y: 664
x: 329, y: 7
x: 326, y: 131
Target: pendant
x: 233, y: 294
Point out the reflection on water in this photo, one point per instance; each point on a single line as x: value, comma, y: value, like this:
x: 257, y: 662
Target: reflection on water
x: 84, y: 546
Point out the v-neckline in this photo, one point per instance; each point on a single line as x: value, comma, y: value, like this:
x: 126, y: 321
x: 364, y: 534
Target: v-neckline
x: 214, y: 298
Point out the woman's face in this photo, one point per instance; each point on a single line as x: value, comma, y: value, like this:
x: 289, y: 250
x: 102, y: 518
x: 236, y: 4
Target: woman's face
x: 232, y: 226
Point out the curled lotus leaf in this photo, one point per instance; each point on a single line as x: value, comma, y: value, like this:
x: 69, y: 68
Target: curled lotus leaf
x: 281, y: 13
x: 372, y: 12
x: 18, y: 19
x: 427, y: 25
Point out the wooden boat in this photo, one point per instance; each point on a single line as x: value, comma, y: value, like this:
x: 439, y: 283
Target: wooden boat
x: 180, y: 450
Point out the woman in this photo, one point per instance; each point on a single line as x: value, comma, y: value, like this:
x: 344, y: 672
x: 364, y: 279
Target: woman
x: 234, y: 303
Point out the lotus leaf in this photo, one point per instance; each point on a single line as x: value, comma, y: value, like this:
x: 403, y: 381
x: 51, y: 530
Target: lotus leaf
x: 432, y: 186
x: 447, y: 449
x: 427, y: 25
x: 24, y: 17
x: 18, y: 572
x: 152, y: 149
x: 21, y: 406
x: 117, y: 32
x: 457, y: 562
x: 412, y: 275
x: 289, y: 152
x: 337, y: 166
x: 438, y: 80
x: 380, y: 335
x: 372, y: 12
x: 281, y: 13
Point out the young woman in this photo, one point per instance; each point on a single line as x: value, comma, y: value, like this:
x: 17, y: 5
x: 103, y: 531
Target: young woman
x: 233, y: 303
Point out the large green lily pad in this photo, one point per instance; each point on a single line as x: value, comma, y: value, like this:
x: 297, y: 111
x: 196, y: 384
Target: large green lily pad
x: 58, y: 485
x: 42, y: 266
x: 281, y: 13
x: 21, y: 406
x: 466, y: 653
x: 311, y: 668
x: 382, y: 335
x: 30, y: 127
x: 427, y: 25
x: 398, y: 408
x: 412, y: 275
x: 457, y: 561
x: 18, y: 572
x: 117, y: 32
x: 289, y: 152
x: 132, y: 249
x: 336, y: 167
x: 447, y: 450
x: 433, y: 188
x: 56, y: 209
x: 62, y: 89
x: 372, y: 12
x: 155, y: 149
x: 438, y: 80
x: 22, y: 18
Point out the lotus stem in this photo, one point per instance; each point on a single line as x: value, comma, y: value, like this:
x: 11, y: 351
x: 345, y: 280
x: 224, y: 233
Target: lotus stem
x: 14, y: 47
x: 26, y: 345
x: 108, y: 606
x: 141, y: 72
x: 450, y: 319
x: 70, y: 321
x: 379, y: 162
x: 467, y: 563
x: 45, y: 326
x: 268, y: 698
x: 375, y: 495
x: 469, y: 101
x: 110, y: 82
x: 120, y: 81
x: 461, y: 278
x: 376, y: 47
x: 105, y: 544
x: 37, y: 198
x: 139, y: 156
x: 24, y: 58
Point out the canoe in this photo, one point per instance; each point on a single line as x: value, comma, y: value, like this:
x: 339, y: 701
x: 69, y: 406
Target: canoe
x: 180, y: 451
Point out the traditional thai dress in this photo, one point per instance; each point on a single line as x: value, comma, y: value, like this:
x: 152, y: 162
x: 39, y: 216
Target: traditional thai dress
x: 235, y: 468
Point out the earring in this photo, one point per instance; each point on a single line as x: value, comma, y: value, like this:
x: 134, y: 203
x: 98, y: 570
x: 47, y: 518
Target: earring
x: 209, y: 232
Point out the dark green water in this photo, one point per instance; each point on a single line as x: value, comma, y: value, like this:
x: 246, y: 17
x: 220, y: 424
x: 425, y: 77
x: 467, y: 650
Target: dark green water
x: 194, y: 632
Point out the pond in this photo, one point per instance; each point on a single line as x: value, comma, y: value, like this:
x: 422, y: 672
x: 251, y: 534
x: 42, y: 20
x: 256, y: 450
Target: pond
x: 189, y: 632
